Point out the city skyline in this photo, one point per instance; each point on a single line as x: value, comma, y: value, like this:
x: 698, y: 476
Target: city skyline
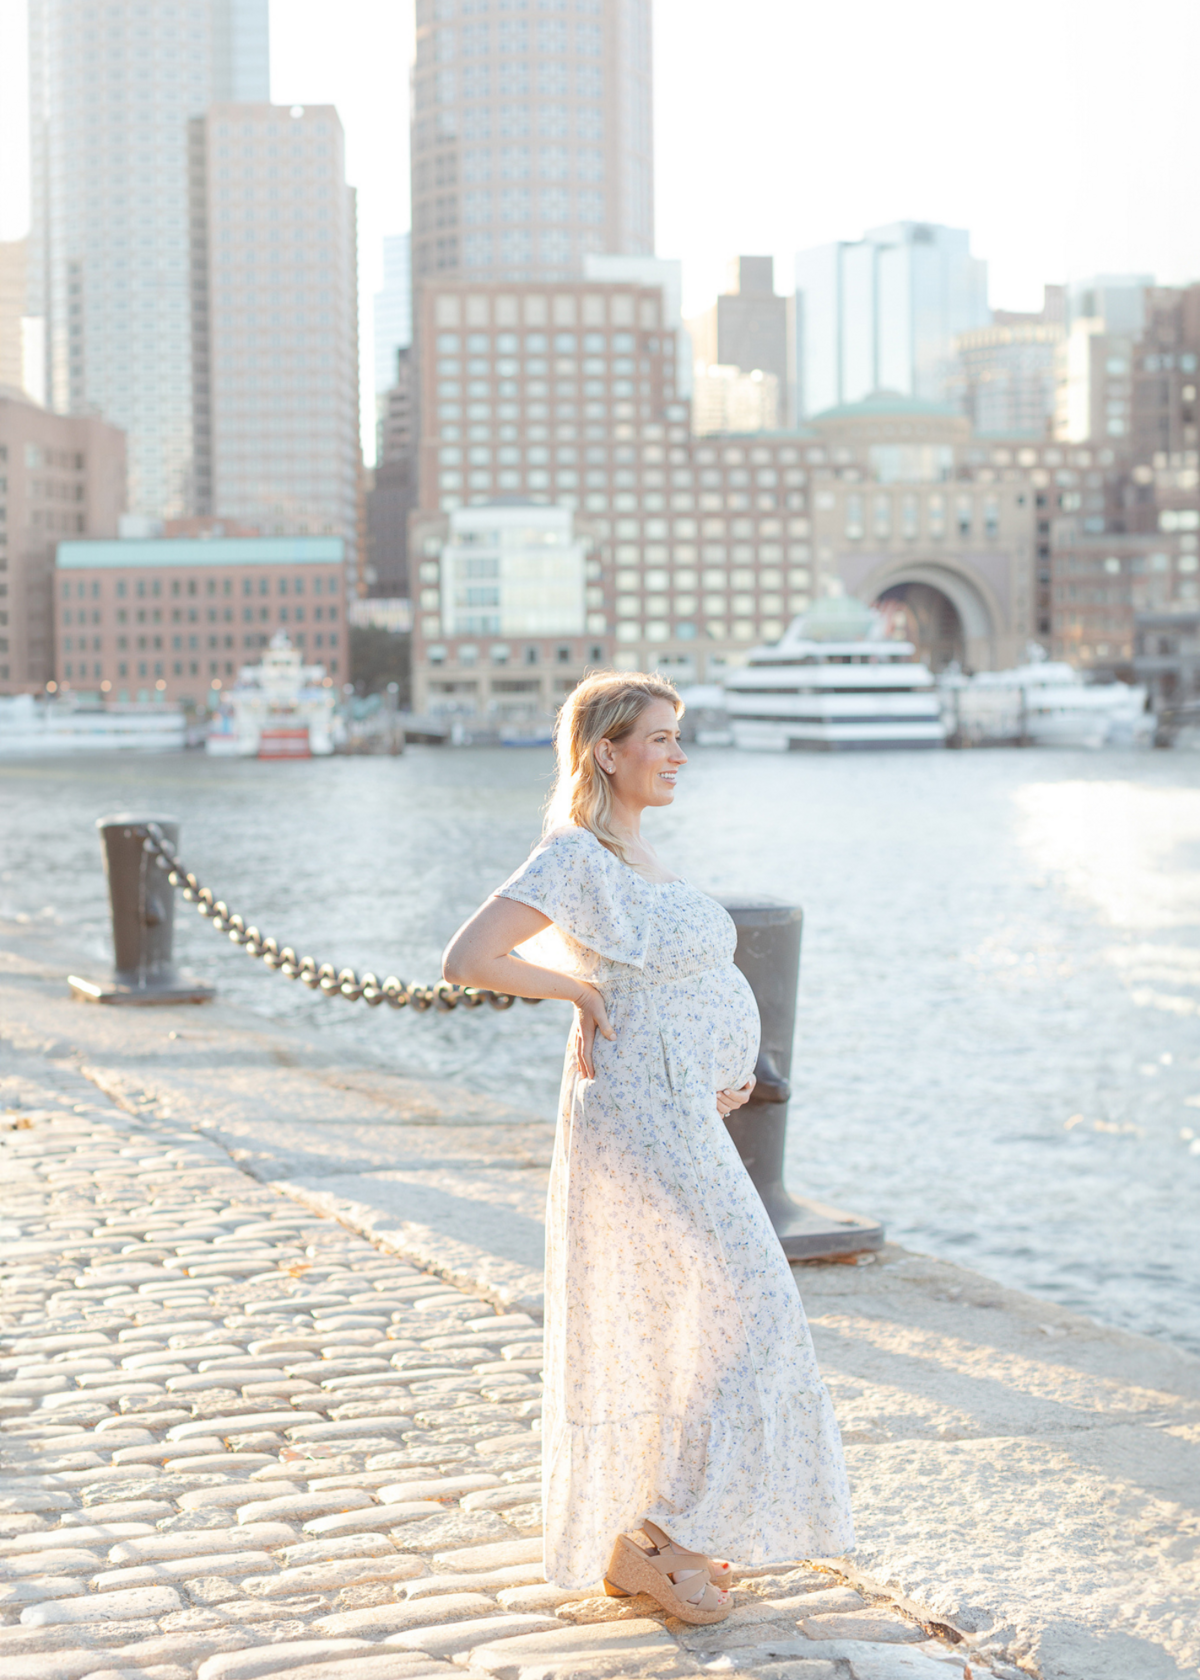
x: 723, y: 186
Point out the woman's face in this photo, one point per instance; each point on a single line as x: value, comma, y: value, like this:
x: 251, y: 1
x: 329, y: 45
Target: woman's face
x: 642, y: 767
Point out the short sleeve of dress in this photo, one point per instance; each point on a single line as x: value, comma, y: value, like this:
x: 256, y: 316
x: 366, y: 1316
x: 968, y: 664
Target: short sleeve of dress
x: 592, y: 898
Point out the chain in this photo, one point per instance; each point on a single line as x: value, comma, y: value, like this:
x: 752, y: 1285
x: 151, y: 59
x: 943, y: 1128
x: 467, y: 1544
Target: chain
x: 319, y: 977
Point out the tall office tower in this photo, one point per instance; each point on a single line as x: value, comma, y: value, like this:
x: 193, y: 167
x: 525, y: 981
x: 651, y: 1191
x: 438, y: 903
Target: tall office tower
x: 112, y: 89
x: 532, y: 137
x: 275, y: 321
x: 882, y: 313
x: 747, y: 327
x: 393, y: 491
x: 393, y: 309
x: 12, y: 308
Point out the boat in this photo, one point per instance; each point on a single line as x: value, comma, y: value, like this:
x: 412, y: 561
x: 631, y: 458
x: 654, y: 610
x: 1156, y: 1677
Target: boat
x: 1043, y: 703
x: 30, y: 725
x: 280, y: 708
x: 836, y: 681
x: 705, y: 717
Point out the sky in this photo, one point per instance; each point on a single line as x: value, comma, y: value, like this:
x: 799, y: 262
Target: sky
x: 1062, y: 134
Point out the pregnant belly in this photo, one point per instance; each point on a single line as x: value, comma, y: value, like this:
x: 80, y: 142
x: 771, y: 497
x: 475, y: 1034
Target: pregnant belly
x: 729, y: 1028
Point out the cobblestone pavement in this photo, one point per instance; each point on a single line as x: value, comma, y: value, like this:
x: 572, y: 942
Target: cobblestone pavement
x: 239, y: 1440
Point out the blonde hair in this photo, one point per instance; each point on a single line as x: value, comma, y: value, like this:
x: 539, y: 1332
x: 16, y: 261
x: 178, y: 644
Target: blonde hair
x: 604, y: 707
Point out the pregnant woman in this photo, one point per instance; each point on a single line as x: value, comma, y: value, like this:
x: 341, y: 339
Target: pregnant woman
x: 684, y: 1413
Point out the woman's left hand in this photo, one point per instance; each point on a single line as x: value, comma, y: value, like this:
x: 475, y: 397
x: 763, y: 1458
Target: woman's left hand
x: 727, y: 1101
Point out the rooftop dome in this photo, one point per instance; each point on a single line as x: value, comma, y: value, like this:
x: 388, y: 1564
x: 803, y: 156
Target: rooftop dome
x: 882, y: 404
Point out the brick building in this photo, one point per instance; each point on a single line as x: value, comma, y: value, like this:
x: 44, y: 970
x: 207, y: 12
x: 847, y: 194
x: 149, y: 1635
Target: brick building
x: 180, y: 616
x: 60, y: 476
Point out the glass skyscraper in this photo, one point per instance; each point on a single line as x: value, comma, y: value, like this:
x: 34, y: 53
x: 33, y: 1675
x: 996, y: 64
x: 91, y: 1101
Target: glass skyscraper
x: 113, y: 86
x: 882, y: 313
x: 393, y: 309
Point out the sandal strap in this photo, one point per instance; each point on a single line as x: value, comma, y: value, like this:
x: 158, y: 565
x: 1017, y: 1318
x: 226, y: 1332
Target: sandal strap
x: 683, y: 1580
x: 663, y: 1541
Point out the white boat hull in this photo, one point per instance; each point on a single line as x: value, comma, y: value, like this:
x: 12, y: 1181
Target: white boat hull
x: 756, y: 736
x: 29, y: 728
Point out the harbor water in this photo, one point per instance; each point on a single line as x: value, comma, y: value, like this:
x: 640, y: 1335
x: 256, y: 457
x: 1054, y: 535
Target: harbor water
x: 997, y: 1049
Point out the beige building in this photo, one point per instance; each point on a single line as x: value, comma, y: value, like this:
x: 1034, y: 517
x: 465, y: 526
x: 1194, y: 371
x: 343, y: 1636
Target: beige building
x: 724, y: 399
x: 510, y: 611
x: 60, y: 476
x: 532, y: 138
x: 12, y: 309
x: 1094, y: 384
x: 748, y: 328
x: 179, y: 616
x: 274, y: 311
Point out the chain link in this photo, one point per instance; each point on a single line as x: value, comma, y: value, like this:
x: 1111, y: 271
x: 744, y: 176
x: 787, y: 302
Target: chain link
x: 319, y: 977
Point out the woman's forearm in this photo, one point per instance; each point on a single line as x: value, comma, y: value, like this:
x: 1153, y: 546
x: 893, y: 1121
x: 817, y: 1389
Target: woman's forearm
x: 510, y: 974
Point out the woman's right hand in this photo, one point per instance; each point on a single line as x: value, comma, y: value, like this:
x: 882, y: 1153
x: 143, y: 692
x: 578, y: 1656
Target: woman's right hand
x: 591, y: 1018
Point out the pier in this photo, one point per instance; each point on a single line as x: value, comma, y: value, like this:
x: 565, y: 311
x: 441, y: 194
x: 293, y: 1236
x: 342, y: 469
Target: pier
x: 272, y: 1321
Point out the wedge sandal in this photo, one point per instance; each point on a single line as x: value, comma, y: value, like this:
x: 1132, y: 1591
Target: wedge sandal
x: 637, y: 1565
x: 719, y: 1571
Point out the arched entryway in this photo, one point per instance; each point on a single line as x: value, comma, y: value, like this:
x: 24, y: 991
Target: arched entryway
x: 949, y: 614
x: 929, y: 619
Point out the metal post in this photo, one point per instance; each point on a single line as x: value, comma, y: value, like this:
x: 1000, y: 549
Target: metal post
x: 768, y: 954
x: 142, y: 904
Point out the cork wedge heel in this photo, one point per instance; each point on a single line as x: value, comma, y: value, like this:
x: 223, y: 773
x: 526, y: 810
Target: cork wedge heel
x: 637, y: 1565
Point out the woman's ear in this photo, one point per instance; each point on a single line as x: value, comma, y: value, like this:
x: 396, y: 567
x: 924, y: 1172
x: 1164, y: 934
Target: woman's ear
x: 603, y: 754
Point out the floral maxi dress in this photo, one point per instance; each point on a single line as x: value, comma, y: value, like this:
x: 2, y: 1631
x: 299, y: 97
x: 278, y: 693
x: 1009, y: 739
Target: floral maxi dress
x: 681, y: 1383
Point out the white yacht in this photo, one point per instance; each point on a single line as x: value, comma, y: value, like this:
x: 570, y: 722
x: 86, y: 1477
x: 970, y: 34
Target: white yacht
x: 1043, y: 703
x: 279, y: 709
x: 30, y: 725
x: 834, y: 682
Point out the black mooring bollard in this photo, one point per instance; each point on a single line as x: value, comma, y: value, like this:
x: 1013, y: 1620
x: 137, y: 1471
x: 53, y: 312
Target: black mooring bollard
x: 768, y: 954
x: 142, y: 903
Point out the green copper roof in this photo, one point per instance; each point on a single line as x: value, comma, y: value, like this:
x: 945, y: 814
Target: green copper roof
x: 200, y: 551
x: 885, y: 403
